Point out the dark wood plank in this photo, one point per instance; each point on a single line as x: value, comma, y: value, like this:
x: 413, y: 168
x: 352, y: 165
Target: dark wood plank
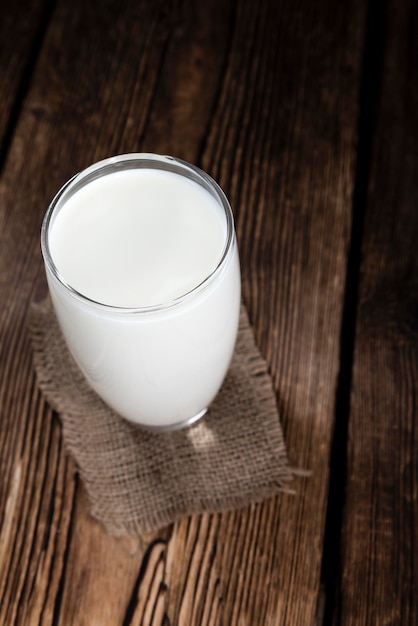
x: 380, y: 556
x: 263, y: 96
x: 22, y: 27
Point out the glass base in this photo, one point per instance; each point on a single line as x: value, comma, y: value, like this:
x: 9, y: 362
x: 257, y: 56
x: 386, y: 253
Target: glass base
x: 176, y: 426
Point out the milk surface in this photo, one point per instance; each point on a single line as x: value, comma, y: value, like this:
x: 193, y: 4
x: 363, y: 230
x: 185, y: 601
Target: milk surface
x: 138, y: 238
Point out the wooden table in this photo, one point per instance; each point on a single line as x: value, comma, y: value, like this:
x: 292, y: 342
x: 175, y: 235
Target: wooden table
x: 307, y: 114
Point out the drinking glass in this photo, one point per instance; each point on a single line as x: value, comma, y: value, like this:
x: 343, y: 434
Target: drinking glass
x: 159, y: 365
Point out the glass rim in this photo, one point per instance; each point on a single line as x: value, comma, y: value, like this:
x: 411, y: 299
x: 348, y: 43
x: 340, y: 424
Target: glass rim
x: 137, y: 160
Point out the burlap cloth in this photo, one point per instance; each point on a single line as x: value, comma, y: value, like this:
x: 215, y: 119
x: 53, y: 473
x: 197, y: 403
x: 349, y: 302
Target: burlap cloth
x: 141, y: 481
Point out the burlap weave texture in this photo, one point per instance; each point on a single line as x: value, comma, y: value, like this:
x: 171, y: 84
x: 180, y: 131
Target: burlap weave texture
x: 140, y: 481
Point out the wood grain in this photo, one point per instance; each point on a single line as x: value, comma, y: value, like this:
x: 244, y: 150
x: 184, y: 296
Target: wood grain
x: 264, y: 97
x: 22, y: 27
x: 380, y: 566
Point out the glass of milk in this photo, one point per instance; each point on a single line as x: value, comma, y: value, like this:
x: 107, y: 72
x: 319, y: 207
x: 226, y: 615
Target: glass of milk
x: 142, y: 266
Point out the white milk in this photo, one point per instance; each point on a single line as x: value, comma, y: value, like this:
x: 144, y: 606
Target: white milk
x: 146, y: 241
x: 138, y: 238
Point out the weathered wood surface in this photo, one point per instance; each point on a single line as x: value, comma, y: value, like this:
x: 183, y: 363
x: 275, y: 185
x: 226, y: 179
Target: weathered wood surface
x: 380, y: 548
x: 21, y: 32
x: 265, y: 97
